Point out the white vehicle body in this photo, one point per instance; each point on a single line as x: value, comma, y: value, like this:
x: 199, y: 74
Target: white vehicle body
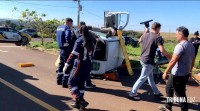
x: 108, y: 58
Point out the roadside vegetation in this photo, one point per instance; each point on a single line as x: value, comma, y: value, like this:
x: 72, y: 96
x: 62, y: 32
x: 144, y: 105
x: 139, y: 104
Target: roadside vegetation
x: 47, y: 45
x: 134, y: 53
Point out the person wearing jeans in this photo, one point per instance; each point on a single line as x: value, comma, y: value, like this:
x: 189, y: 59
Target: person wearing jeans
x: 180, y: 66
x: 150, y: 42
x: 146, y: 73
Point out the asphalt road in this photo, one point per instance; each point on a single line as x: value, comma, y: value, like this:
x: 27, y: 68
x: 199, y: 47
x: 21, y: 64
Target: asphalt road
x: 35, y: 88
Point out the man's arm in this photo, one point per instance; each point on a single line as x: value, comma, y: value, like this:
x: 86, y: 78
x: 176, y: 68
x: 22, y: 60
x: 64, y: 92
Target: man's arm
x: 178, y: 51
x: 145, y: 31
x: 74, y: 54
x: 171, y: 64
x: 67, y: 37
x: 164, y: 52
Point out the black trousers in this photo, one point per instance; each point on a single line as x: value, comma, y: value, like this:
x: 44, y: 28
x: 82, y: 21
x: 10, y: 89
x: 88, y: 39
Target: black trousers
x: 63, y: 76
x: 88, y: 81
x: 63, y: 58
x: 78, y: 77
x: 177, y: 85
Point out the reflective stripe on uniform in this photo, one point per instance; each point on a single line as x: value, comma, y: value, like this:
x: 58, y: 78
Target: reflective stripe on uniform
x: 60, y: 73
x: 81, y: 91
x: 75, y: 53
x: 74, y: 88
x: 66, y: 74
x: 66, y: 44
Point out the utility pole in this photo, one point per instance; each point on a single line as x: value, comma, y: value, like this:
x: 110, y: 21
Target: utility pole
x: 79, y: 9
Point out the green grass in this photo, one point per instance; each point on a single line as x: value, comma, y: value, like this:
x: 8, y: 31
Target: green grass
x: 134, y: 54
x: 47, y: 45
x: 133, y: 51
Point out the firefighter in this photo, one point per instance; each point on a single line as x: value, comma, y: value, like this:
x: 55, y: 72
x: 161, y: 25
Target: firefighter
x: 81, y: 58
x: 65, y: 41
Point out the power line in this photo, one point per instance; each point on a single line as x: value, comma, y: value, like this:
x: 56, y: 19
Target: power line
x: 43, y: 4
x: 57, y: 7
x: 93, y: 14
x: 60, y: 6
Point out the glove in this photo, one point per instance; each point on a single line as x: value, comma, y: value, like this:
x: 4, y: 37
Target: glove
x: 65, y: 67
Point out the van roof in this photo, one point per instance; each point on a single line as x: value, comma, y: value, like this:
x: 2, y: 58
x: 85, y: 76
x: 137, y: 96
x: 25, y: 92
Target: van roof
x: 103, y: 36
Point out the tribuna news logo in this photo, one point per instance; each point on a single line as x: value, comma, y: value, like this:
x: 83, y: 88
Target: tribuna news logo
x: 180, y: 99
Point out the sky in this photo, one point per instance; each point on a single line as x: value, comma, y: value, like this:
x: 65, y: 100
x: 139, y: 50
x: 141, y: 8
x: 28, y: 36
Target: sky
x: 171, y: 14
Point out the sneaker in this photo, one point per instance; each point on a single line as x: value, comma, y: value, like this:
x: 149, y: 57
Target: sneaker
x: 133, y: 96
x: 163, y: 108
x: 90, y: 86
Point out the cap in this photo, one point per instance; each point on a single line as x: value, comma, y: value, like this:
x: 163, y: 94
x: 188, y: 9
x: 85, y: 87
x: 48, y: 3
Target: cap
x: 196, y: 33
x: 82, y: 23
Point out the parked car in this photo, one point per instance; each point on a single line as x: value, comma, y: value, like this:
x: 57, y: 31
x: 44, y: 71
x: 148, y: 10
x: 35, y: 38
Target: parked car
x: 131, y: 41
x: 8, y: 34
x: 31, y: 32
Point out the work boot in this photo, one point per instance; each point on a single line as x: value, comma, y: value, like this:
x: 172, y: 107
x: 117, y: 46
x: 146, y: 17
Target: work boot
x: 76, y: 104
x: 65, y: 81
x: 83, y: 104
x: 59, y: 79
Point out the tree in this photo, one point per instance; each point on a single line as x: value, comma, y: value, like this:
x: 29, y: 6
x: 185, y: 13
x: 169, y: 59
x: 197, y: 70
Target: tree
x: 12, y: 25
x: 7, y: 23
x: 34, y: 20
x: 19, y: 27
x: 51, y: 27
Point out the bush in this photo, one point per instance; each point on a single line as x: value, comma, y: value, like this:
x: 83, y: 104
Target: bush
x: 35, y: 44
x: 133, y: 34
x: 51, y: 45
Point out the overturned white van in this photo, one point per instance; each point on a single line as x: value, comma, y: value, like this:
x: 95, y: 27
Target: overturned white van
x: 107, y: 56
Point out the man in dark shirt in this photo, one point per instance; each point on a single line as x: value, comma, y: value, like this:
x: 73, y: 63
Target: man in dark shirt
x: 65, y: 44
x: 196, y: 42
x: 150, y: 42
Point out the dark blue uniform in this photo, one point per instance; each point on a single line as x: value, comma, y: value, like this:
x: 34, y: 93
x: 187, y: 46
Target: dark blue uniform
x: 82, y: 63
x: 65, y: 44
